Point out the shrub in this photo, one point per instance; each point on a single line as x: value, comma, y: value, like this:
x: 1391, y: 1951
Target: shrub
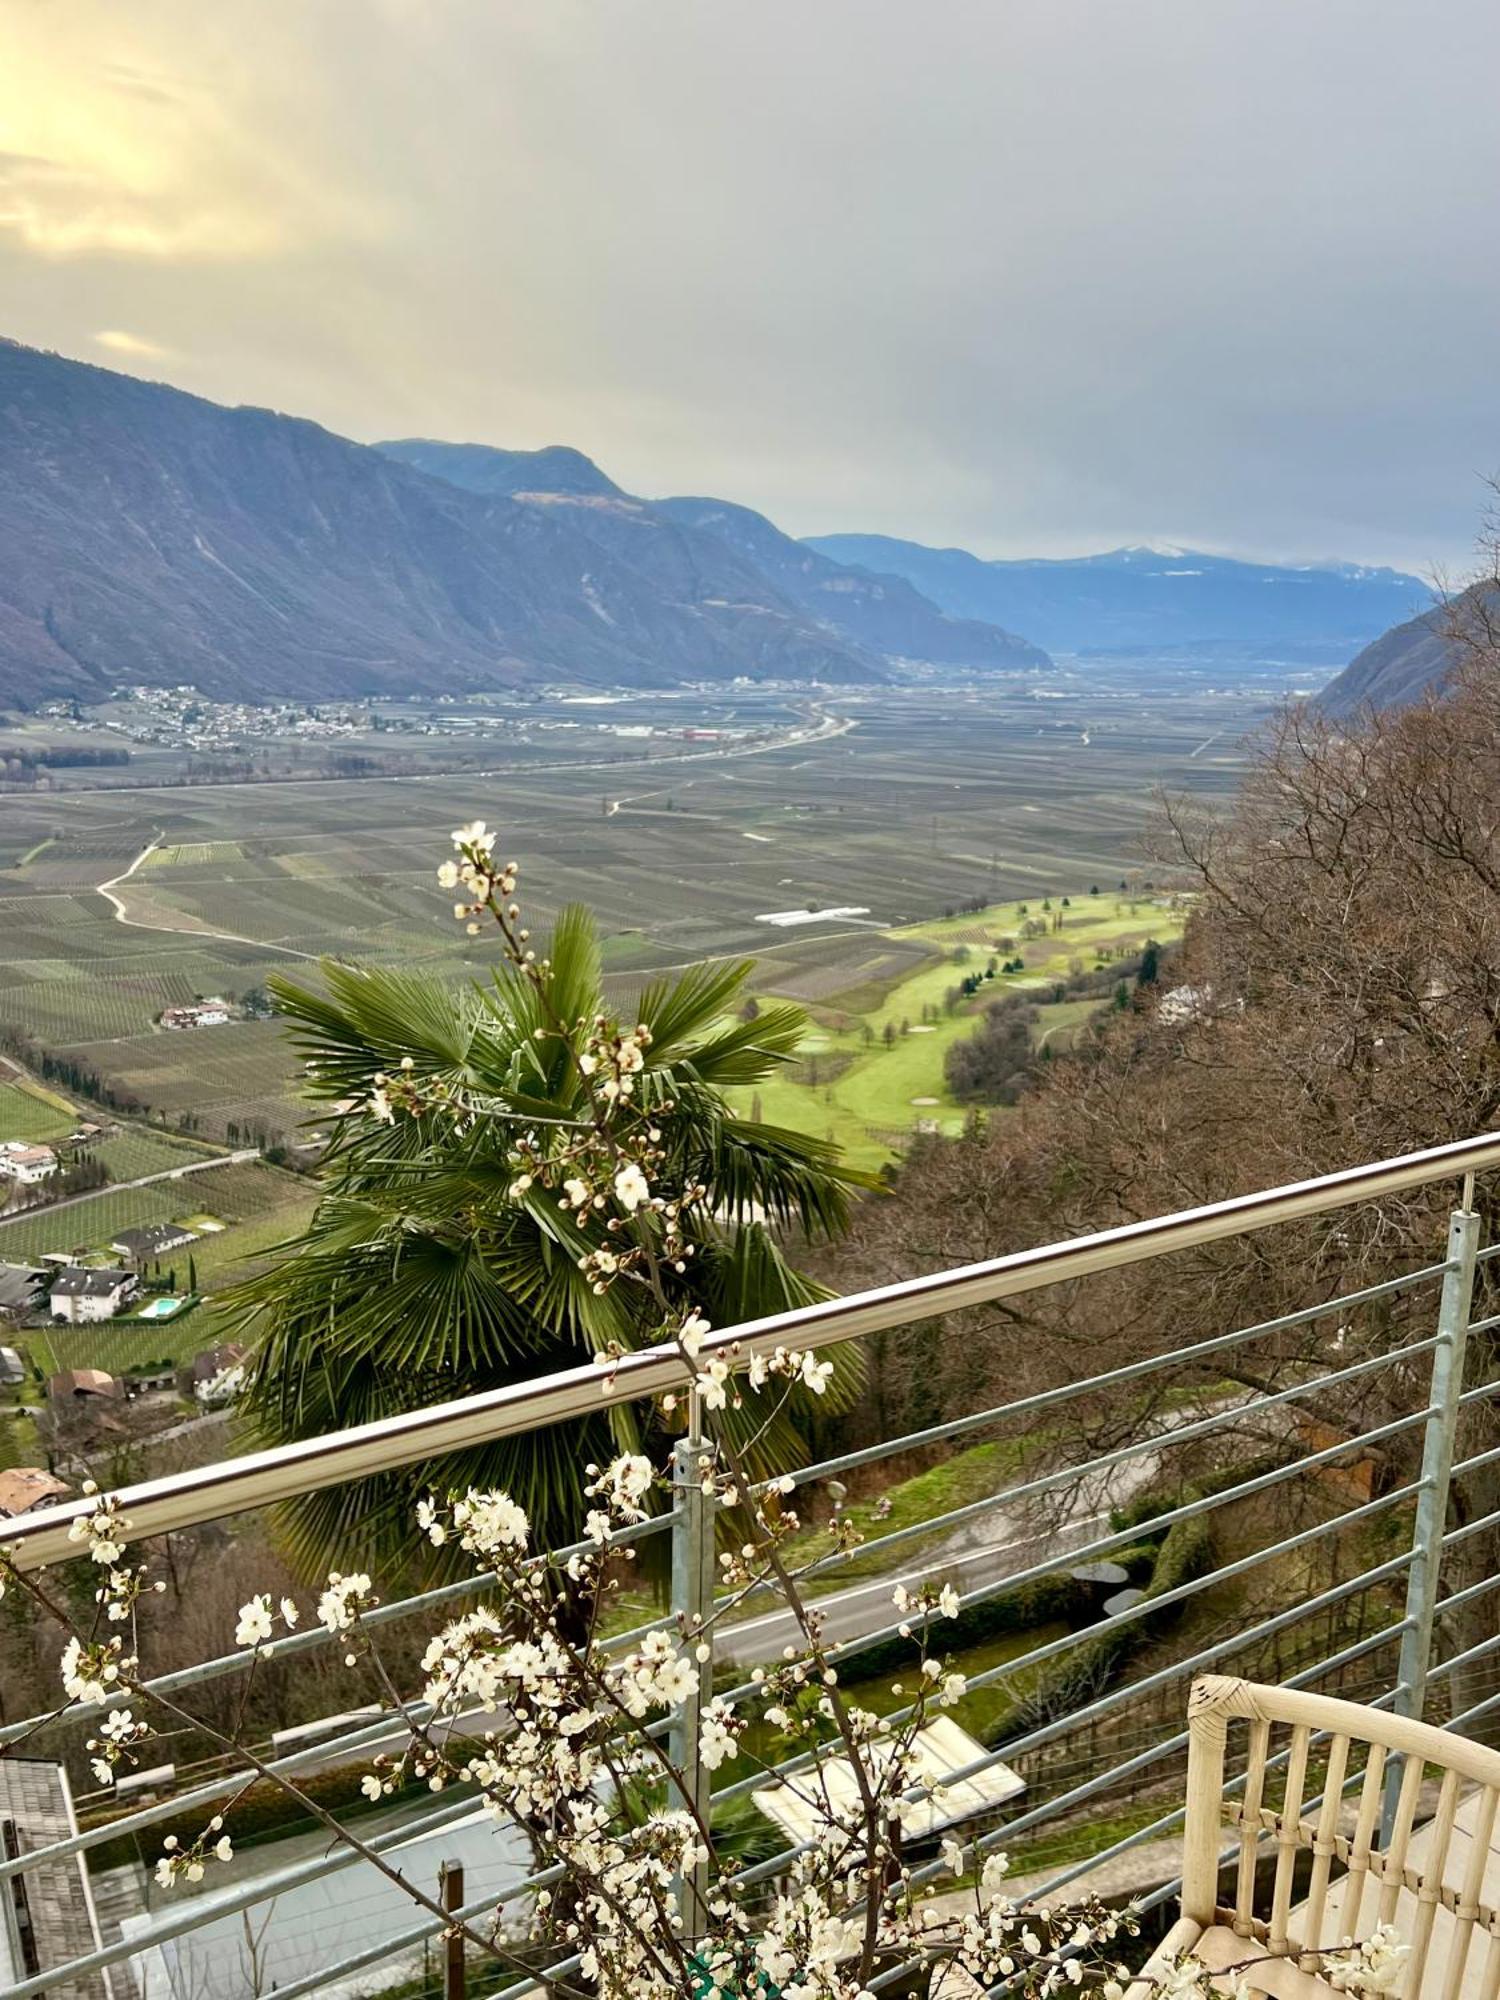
x: 1046, y: 1600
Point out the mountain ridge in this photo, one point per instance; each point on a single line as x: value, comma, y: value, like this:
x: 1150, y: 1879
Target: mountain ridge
x: 1414, y: 658
x: 882, y: 615
x: 154, y: 536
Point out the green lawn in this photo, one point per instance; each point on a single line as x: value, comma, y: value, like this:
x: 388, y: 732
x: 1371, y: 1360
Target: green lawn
x: 117, y: 1345
x: 967, y: 1475
x: 27, y: 1111
x: 982, y: 1710
x: 872, y: 1099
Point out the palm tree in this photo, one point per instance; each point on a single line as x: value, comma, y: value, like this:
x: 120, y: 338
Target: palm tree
x: 425, y: 1274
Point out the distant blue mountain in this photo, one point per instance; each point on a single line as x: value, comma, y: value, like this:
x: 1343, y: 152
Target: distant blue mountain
x: 1145, y: 600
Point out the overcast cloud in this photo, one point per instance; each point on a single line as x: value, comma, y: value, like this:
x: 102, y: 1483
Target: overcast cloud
x: 1034, y: 276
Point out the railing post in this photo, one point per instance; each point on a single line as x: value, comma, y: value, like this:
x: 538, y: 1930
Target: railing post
x: 451, y: 1896
x: 1437, y: 1464
x: 692, y: 1600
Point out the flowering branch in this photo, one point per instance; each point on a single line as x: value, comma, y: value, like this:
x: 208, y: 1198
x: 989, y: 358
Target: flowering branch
x: 559, y: 1733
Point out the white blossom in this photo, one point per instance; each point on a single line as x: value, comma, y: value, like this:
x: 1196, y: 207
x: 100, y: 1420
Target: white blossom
x: 255, y: 1625
x: 712, y: 1384
x: 1377, y: 1965
x: 993, y: 1873
x: 717, y: 1741
x: 487, y: 1522
x: 342, y: 1600
x: 692, y: 1333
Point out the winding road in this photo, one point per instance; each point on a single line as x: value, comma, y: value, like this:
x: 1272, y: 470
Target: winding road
x: 123, y: 916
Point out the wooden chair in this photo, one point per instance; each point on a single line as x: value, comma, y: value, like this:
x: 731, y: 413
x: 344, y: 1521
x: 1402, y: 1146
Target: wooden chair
x: 1437, y: 1882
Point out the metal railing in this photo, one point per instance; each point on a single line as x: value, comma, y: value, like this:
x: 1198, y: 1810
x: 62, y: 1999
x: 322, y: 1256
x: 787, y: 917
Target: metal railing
x: 1099, y: 1755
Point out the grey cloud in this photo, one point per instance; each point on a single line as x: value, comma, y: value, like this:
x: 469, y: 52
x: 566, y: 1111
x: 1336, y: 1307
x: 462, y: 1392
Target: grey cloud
x: 1028, y: 275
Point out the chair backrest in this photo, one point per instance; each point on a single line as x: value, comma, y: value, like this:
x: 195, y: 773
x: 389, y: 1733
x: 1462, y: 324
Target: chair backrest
x: 1294, y: 1793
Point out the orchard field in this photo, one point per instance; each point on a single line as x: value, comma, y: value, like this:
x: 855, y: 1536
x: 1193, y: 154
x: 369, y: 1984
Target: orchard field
x: 887, y: 811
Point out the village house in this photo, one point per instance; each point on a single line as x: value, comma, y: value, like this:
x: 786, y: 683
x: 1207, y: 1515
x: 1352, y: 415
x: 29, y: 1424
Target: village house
x: 213, y: 1361
x: 156, y: 1240
x: 25, y: 1163
x: 77, y: 1385
x: 212, y: 1013
x: 21, y: 1288
x: 80, y: 1294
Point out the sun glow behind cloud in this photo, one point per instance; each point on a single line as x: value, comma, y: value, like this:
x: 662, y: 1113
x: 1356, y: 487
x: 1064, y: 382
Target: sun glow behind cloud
x: 116, y: 341
x: 104, y: 159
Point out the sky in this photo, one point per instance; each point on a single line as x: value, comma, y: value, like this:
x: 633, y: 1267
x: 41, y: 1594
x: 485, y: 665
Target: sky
x: 1029, y: 276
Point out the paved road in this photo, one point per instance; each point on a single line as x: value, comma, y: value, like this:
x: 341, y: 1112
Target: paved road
x: 867, y: 1607
x: 987, y: 1550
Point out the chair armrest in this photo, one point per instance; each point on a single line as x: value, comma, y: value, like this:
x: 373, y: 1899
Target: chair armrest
x: 1183, y: 1935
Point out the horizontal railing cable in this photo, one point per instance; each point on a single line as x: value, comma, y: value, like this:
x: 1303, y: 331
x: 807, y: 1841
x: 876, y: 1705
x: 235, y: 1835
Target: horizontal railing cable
x: 1122, y: 1538
x: 155, y: 1507
x: 1052, y: 1648
x: 285, y: 1472
x: 1469, y: 1529
x: 318, y: 1636
x: 193, y: 1912
x: 1072, y: 1474
x: 1134, y: 1371
x: 278, y: 1883
x: 988, y: 1843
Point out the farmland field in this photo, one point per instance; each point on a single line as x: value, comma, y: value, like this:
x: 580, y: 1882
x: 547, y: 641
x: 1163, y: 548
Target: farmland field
x: 132, y: 1152
x: 891, y: 808
x: 122, y: 1344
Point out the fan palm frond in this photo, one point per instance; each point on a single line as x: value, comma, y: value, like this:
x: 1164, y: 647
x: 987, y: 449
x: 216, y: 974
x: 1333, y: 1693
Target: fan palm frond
x: 427, y: 1273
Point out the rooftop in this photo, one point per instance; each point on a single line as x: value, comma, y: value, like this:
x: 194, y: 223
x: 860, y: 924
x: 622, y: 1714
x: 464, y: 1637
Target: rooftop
x: 26, y: 1486
x: 153, y: 1239
x: 36, y: 1801
x: 19, y: 1285
x: 79, y: 1281
x: 83, y: 1382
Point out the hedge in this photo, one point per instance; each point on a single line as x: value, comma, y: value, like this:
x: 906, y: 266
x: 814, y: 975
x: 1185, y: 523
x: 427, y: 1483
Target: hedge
x: 1086, y: 1670
x: 1046, y: 1600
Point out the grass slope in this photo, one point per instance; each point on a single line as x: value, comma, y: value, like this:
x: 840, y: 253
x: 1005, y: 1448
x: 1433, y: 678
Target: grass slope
x: 27, y: 1111
x: 866, y: 1095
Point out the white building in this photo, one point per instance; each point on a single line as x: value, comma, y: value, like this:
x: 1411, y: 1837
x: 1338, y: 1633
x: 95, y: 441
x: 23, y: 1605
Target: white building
x: 80, y: 1294
x: 26, y: 1164
x: 212, y: 1013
